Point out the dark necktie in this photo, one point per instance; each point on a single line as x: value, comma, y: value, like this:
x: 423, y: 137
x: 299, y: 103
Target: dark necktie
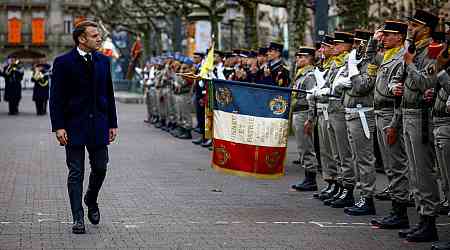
x: 88, y: 58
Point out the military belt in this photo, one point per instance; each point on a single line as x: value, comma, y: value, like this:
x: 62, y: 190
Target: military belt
x: 362, y: 117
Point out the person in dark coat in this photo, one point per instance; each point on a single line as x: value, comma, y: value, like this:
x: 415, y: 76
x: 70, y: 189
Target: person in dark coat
x: 13, y: 74
x: 41, y: 87
x: 83, y: 116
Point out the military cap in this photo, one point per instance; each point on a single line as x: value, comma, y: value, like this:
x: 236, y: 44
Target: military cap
x: 425, y: 18
x: 252, y: 54
x: 244, y: 53
x: 236, y: 52
x: 317, y: 45
x: 228, y: 54
x: 343, y: 37
x: 218, y: 52
x: 328, y: 40
x: 363, y: 35
x: 200, y: 54
x: 302, y: 51
x: 262, y: 51
x: 392, y: 26
x: 276, y: 46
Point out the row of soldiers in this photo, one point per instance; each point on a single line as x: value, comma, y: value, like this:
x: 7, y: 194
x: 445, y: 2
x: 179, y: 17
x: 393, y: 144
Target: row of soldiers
x: 394, y: 83
x: 13, y: 73
x: 172, y: 87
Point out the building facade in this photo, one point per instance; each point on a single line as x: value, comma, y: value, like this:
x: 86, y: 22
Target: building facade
x: 38, y: 30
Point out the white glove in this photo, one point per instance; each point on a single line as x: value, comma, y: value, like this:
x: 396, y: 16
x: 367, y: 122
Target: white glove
x: 323, y: 92
x: 353, y: 64
x: 342, y: 82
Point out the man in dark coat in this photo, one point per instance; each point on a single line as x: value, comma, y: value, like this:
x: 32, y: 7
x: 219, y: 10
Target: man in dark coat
x: 83, y: 115
x: 13, y: 74
x: 41, y: 87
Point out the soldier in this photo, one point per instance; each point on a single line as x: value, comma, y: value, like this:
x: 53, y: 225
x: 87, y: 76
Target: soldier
x: 13, y: 74
x: 419, y: 69
x: 160, y: 85
x: 171, y: 104
x: 276, y: 72
x: 352, y: 82
x: 337, y: 129
x: 303, y: 117
x: 441, y: 131
x: 262, y: 62
x: 196, y: 97
x: 389, y: 127
x: 183, y: 85
x: 146, y: 85
x: 41, y: 79
x: 329, y: 163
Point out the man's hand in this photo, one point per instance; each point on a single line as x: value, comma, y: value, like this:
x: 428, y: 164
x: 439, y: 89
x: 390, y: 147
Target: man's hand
x: 398, y: 89
x: 266, y: 71
x: 308, y: 127
x: 391, y: 134
x: 408, y: 57
x: 428, y: 95
x: 378, y: 35
x: 61, y: 136
x: 112, y: 134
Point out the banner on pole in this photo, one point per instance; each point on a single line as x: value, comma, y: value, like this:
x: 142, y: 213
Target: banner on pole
x: 250, y: 128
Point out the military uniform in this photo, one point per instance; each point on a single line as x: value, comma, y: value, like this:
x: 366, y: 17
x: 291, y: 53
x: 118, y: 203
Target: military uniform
x: 357, y: 86
x: 387, y: 116
x: 279, y: 73
x: 303, y: 111
x: 328, y: 160
x: 13, y: 74
x: 337, y: 129
x: 417, y: 132
x: 41, y: 88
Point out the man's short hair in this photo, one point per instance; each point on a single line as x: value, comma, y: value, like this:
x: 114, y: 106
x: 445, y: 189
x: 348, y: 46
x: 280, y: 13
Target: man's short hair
x: 80, y: 28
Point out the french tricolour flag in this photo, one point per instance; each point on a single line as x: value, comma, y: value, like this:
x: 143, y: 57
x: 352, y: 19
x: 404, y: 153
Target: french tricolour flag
x: 250, y: 128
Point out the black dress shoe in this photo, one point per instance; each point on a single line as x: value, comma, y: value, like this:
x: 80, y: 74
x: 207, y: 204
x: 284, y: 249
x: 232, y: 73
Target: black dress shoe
x: 93, y: 211
x: 78, y: 227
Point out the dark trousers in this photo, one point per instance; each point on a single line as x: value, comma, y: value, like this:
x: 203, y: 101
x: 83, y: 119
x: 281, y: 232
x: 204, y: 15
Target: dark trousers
x: 13, y: 106
x: 98, y: 159
x: 41, y: 107
x: 200, y: 112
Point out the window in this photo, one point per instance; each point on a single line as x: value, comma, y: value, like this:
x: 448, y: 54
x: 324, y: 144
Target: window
x: 14, y: 27
x: 68, y: 24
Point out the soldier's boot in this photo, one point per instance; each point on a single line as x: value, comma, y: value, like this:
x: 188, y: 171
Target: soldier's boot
x: 325, y: 189
x: 427, y: 232
x: 176, y: 131
x: 364, y: 206
x: 199, y: 141
x: 406, y: 232
x: 207, y: 143
x: 309, y: 184
x: 336, y: 196
x: 186, y: 134
x: 296, y: 162
x: 160, y: 123
x: 443, y: 208
x: 330, y: 193
x: 154, y: 119
x: 346, y: 199
x: 441, y: 245
x: 411, y: 201
x: 384, y: 195
x: 398, y: 218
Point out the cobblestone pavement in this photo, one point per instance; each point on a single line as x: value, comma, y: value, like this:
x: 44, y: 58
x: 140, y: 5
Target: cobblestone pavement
x: 160, y: 193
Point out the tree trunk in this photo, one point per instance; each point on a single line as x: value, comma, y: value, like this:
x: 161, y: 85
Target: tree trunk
x: 251, y: 25
x: 298, y: 17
